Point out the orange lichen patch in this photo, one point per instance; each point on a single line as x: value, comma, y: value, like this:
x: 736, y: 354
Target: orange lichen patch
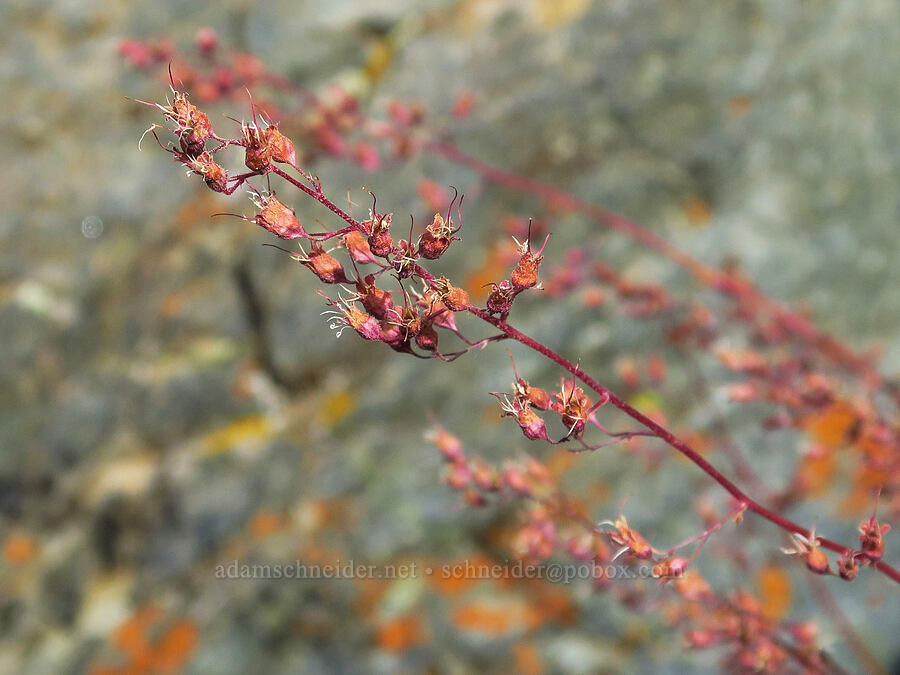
x: 696, y: 211
x: 832, y: 426
x: 866, y: 481
x: 265, y: 523
x: 817, y: 471
x: 493, y: 620
x: 19, y: 548
x: 340, y: 513
x: 451, y: 584
x: 335, y: 407
x: 739, y: 105
x: 175, y: 647
x: 492, y: 270
x: 553, y: 604
x: 167, y: 654
x: 401, y: 633
x: 528, y: 659
x: 775, y: 591
x: 131, y: 637
x: 171, y: 305
x: 370, y: 593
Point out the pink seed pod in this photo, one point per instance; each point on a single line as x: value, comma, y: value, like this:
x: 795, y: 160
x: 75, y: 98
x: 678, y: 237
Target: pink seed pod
x: 278, y: 218
x: 525, y: 275
x: 376, y: 302
x: 458, y: 476
x: 215, y: 176
x: 807, y: 547
x: 848, y: 566
x: 281, y: 147
x: 405, y: 259
x: 573, y: 406
x: 380, y: 242
x: 513, y: 478
x: 484, y: 475
x: 456, y: 299
x: 325, y: 266
x: 533, y: 426
x: 501, y: 297
x: 427, y: 337
x: 439, y: 234
x: 366, y: 155
x: 449, y: 445
x: 206, y: 41
x: 191, y: 124
x: 319, y: 262
x: 871, y: 538
x: 670, y: 569
x: 701, y: 638
x: 346, y: 313
x: 358, y: 248
x: 436, y: 311
x: 257, y: 151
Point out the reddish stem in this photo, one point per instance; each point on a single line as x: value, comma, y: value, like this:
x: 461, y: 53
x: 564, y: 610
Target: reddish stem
x: 725, y: 283
x: 671, y: 439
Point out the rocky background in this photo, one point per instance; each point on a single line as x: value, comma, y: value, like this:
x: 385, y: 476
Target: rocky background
x: 171, y: 399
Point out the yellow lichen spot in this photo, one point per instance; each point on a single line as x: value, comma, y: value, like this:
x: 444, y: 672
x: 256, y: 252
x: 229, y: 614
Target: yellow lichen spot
x: 697, y: 211
x: 381, y: 55
x: 552, y: 13
x: 336, y: 407
x: 242, y: 430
